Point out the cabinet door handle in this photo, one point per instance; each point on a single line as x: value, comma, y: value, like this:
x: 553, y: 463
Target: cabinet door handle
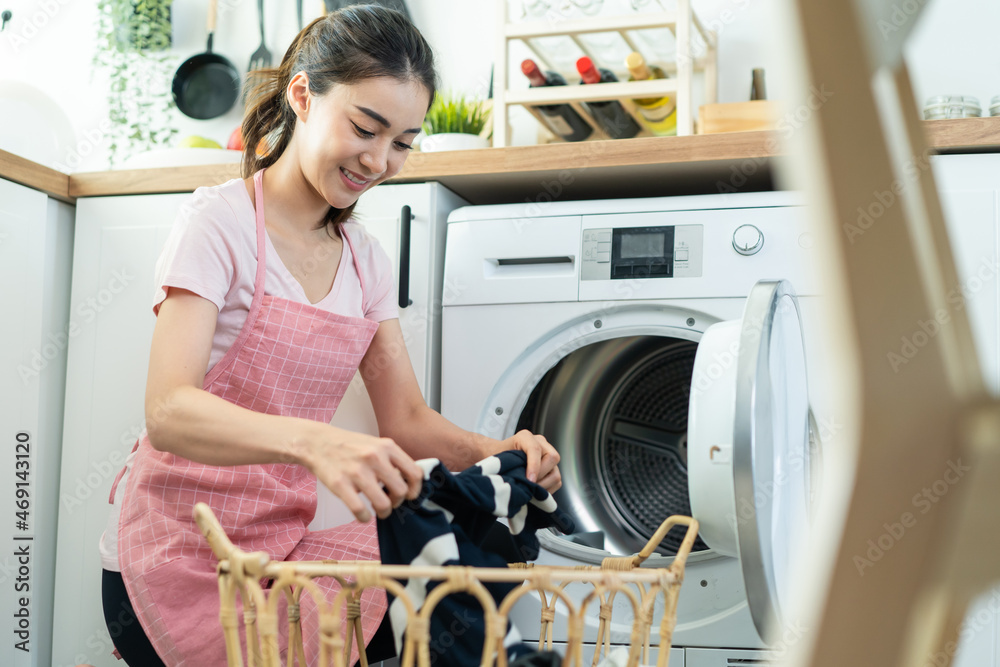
x: 405, y: 218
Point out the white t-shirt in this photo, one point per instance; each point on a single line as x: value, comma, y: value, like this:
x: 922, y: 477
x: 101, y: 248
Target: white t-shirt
x: 212, y: 251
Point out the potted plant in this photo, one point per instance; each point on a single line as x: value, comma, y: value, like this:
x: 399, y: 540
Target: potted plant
x: 455, y: 122
x: 133, y: 47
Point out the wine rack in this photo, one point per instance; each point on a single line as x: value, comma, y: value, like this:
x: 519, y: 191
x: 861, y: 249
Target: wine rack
x: 684, y: 25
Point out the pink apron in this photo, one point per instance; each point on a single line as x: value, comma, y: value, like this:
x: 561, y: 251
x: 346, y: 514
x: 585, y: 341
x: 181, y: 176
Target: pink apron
x: 289, y: 359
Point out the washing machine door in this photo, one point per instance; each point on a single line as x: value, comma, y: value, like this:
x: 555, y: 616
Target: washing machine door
x: 750, y: 438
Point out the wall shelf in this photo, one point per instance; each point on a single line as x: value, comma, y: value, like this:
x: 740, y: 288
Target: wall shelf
x: 629, y: 167
x: 686, y: 28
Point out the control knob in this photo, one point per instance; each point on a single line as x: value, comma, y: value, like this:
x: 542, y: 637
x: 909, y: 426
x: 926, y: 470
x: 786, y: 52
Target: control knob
x: 747, y: 240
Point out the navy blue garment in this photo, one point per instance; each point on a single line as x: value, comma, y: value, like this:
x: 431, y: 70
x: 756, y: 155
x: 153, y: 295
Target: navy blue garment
x: 446, y: 525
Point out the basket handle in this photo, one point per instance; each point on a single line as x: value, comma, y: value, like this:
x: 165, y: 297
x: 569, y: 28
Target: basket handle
x: 223, y: 548
x: 629, y: 562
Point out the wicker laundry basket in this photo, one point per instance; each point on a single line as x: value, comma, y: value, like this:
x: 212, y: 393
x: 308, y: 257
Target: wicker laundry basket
x: 241, y: 572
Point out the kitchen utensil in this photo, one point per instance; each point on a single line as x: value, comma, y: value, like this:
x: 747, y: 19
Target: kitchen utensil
x: 6, y: 16
x: 206, y: 85
x: 261, y: 58
x: 298, y: 12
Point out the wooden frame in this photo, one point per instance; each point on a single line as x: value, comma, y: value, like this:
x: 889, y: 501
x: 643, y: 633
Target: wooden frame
x: 681, y: 23
x: 902, y: 573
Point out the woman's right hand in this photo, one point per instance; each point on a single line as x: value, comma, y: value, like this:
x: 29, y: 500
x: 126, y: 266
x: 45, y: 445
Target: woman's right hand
x: 351, y: 464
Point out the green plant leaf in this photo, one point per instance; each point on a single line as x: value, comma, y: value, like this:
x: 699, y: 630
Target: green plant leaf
x: 455, y: 113
x: 134, y: 37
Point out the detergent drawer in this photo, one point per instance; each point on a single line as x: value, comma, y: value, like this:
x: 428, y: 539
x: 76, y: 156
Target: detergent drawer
x: 512, y: 260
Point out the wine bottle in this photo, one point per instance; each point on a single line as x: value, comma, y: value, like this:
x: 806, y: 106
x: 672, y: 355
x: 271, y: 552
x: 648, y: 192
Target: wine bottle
x: 659, y: 114
x: 561, y: 119
x: 609, y: 114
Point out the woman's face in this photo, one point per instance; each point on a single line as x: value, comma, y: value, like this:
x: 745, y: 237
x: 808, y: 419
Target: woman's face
x: 356, y: 135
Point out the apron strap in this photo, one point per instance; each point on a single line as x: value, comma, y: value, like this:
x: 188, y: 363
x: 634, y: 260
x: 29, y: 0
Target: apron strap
x: 118, y: 478
x: 357, y: 264
x: 258, y: 283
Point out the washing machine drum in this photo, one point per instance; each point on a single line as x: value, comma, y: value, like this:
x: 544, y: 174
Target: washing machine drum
x: 719, y: 429
x: 617, y: 411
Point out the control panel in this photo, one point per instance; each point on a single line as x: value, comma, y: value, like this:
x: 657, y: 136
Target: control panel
x: 624, y: 253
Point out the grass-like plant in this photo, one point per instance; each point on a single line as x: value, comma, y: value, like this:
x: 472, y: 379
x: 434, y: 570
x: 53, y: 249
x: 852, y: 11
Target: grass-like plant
x: 455, y: 113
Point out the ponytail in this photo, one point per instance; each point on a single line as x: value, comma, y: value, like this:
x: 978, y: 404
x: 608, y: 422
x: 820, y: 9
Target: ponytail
x: 346, y: 46
x: 268, y: 117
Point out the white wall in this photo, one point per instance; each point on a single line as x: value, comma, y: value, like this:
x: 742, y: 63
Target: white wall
x: 50, y: 43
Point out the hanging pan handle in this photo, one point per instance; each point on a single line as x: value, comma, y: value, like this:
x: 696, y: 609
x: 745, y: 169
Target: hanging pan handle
x: 211, y: 24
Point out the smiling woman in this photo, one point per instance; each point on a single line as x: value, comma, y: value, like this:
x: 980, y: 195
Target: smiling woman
x: 266, y: 307
x: 392, y: 83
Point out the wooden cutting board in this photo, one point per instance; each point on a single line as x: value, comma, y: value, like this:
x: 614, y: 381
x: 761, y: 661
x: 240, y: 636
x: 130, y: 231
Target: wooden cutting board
x: 738, y: 116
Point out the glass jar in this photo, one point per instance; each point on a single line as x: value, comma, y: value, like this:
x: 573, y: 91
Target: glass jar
x: 585, y: 7
x: 995, y: 106
x: 952, y: 106
x: 648, y: 5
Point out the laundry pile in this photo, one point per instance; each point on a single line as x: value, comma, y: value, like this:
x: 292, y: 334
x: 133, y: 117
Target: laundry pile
x: 446, y: 525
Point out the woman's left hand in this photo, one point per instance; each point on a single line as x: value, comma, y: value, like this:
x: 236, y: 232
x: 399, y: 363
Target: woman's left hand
x: 543, y: 459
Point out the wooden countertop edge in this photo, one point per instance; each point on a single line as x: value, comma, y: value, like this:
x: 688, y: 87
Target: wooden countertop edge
x: 590, y: 154
x: 469, y: 163
x: 160, y: 180
x: 33, y: 175
x: 951, y: 136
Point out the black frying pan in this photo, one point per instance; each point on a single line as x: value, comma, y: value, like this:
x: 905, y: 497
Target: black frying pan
x: 206, y: 85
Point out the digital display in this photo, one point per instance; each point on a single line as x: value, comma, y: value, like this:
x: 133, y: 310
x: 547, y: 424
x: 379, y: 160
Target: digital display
x: 642, y: 245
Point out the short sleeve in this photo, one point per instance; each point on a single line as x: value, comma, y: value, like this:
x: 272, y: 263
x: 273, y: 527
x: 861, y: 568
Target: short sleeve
x: 200, y: 251
x: 378, y: 280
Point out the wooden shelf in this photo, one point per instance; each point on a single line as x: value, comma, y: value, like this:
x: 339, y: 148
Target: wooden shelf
x: 683, y: 24
x: 544, y: 28
x: 588, y: 170
x: 964, y: 135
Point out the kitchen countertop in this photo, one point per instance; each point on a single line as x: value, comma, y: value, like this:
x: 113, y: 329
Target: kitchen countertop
x: 586, y: 170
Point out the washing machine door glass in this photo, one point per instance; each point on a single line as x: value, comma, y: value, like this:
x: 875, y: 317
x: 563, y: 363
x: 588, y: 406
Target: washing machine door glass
x: 749, y: 445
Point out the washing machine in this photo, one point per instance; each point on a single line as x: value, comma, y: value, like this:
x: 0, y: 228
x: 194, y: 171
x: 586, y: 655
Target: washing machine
x: 663, y: 346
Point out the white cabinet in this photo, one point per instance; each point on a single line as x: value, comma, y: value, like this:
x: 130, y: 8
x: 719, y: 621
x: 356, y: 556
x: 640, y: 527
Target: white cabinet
x: 36, y: 238
x: 969, y: 186
x: 118, y: 240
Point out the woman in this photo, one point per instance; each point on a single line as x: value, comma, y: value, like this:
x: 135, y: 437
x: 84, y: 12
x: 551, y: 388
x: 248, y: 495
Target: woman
x: 249, y: 361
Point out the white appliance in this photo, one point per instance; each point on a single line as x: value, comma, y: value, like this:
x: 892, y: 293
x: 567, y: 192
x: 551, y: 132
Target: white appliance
x: 638, y: 337
x: 969, y: 187
x: 36, y: 241
x: 118, y: 240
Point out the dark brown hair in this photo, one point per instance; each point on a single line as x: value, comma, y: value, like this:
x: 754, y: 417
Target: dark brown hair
x: 346, y: 46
